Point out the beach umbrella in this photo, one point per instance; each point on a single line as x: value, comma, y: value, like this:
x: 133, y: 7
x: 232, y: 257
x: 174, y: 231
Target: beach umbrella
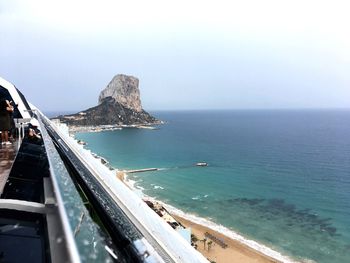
x: 9, y: 92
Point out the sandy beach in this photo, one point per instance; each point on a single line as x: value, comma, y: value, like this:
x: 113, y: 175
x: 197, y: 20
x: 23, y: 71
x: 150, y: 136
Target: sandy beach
x: 121, y: 177
x: 235, y: 250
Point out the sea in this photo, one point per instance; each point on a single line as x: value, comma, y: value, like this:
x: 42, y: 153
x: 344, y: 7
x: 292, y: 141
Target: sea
x: 278, y: 177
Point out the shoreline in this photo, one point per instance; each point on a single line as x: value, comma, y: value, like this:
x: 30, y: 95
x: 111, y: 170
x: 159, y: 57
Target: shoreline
x: 238, y: 248
x: 100, y: 128
x: 235, y: 251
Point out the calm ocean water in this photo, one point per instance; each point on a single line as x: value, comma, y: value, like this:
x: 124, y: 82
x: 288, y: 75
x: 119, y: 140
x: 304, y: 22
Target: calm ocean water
x: 281, y: 178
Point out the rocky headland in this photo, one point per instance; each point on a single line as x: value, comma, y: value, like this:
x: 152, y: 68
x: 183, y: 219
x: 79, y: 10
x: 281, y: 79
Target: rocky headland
x: 119, y: 104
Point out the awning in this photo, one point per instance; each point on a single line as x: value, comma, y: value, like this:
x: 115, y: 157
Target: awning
x: 9, y: 92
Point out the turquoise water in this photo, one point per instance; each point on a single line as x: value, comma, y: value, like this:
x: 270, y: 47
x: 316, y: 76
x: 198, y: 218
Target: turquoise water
x: 281, y: 178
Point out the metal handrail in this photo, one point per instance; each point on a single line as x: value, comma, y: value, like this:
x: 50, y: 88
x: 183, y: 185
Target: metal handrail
x: 167, y: 243
x: 68, y: 233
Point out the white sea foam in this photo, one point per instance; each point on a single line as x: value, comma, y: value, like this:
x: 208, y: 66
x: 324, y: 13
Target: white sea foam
x: 137, y: 189
x: 140, y: 188
x: 198, y: 197
x: 133, y: 185
x: 158, y: 187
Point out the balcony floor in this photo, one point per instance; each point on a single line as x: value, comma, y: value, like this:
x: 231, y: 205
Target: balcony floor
x: 7, y: 156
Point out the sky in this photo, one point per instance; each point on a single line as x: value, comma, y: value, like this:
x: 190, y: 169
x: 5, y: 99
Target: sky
x: 187, y: 55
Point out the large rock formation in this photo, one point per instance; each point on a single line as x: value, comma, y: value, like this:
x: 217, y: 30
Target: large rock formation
x: 125, y: 90
x: 119, y: 104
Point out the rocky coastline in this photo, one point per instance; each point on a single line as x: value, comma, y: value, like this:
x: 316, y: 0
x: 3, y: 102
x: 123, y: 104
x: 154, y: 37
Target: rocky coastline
x: 119, y: 106
x: 99, y: 128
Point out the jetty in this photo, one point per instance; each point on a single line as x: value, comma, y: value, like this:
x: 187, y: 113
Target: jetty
x: 141, y: 170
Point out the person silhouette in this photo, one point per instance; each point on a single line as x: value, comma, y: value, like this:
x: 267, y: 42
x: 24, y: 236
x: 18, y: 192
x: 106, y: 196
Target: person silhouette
x: 5, y: 121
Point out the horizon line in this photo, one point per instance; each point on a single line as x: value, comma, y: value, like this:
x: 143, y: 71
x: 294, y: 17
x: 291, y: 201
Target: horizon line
x: 228, y: 109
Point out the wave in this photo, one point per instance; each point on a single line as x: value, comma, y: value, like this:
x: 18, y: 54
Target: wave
x: 132, y: 185
x: 199, y: 197
x: 163, y: 169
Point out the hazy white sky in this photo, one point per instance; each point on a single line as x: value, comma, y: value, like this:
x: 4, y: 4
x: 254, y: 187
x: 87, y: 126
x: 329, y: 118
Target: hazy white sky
x: 187, y: 54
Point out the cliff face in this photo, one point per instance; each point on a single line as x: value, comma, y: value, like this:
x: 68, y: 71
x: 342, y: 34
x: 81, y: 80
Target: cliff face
x: 125, y: 90
x: 119, y: 104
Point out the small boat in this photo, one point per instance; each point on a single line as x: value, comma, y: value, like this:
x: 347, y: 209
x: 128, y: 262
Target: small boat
x: 202, y: 164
